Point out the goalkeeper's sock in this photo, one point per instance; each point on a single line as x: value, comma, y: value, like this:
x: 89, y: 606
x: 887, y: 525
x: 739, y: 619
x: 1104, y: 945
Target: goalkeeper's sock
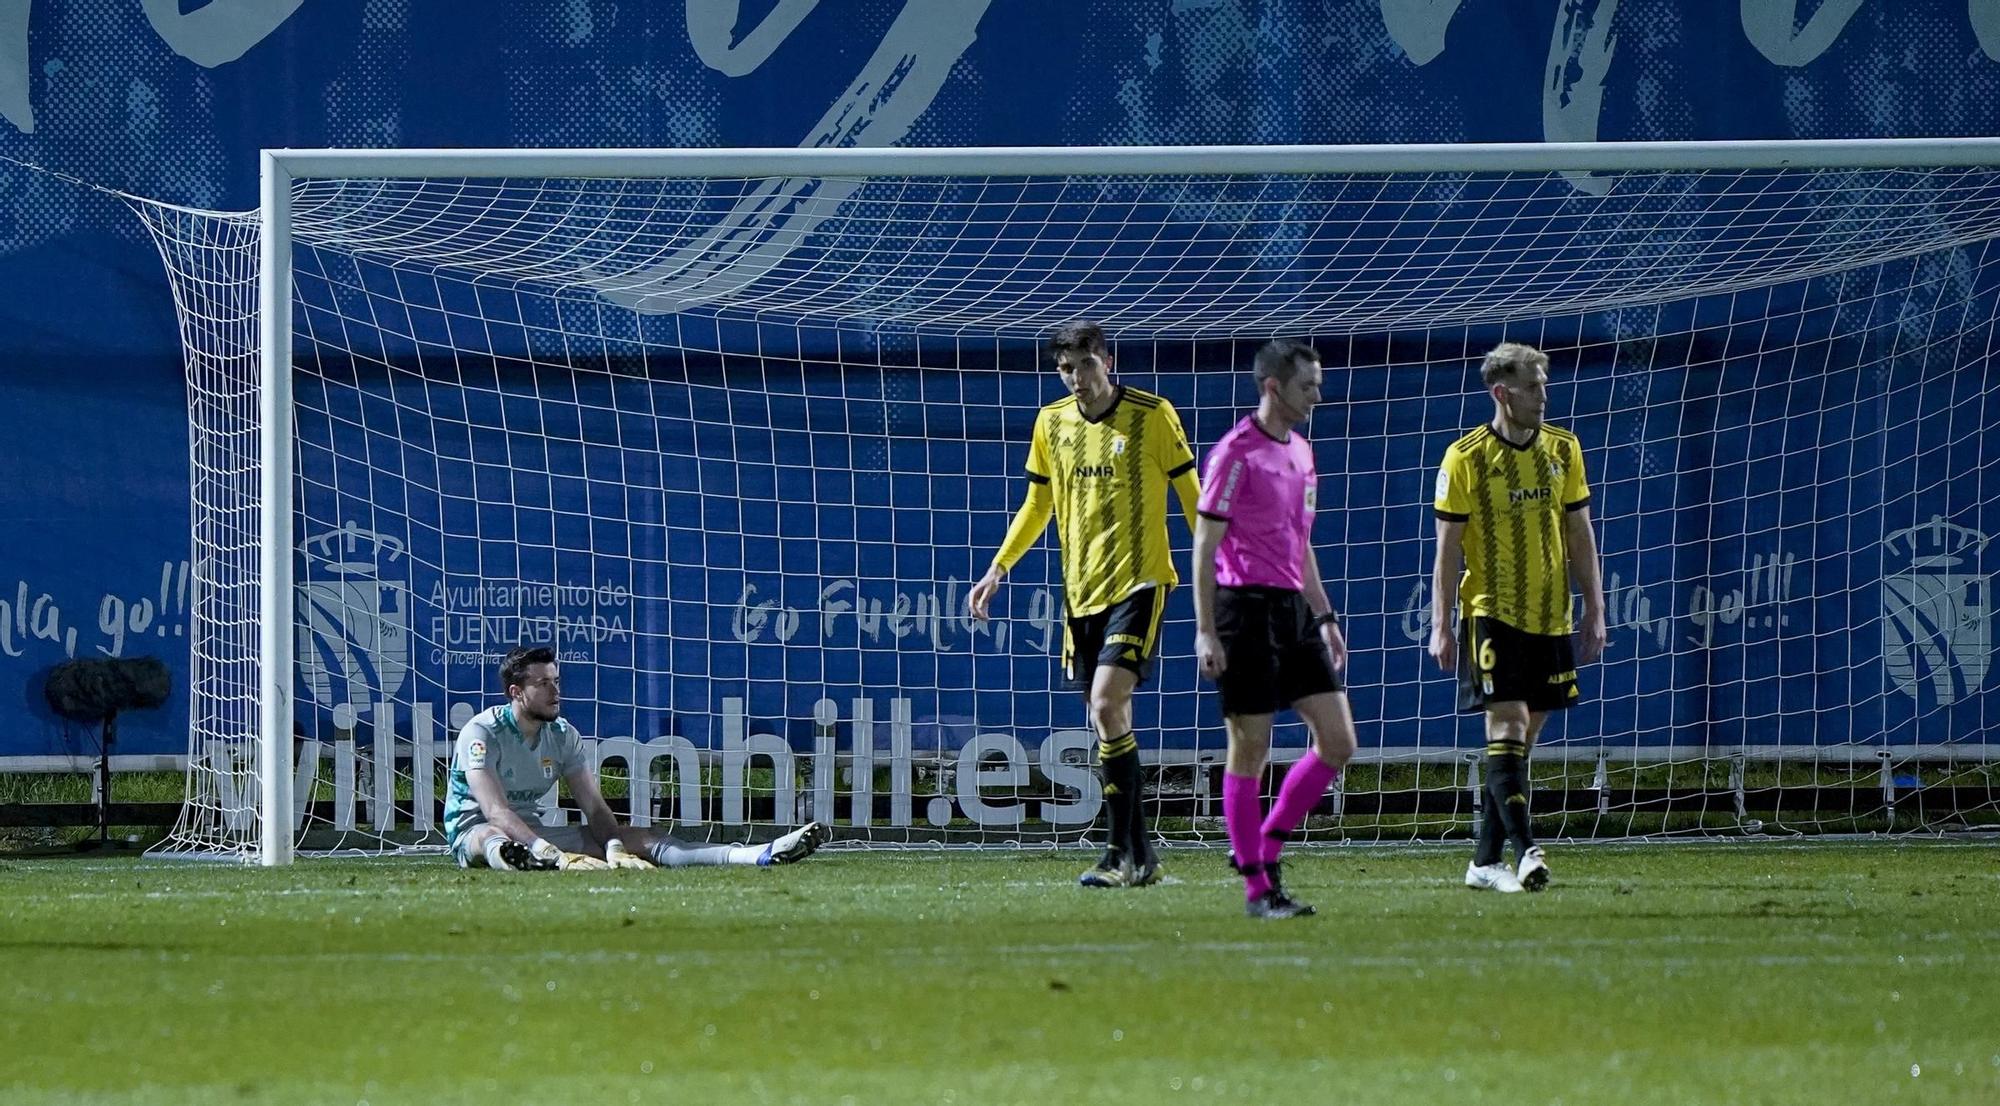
x: 1507, y: 786
x: 494, y: 860
x: 1307, y: 780
x: 668, y: 853
x: 1118, y: 764
x: 1243, y: 816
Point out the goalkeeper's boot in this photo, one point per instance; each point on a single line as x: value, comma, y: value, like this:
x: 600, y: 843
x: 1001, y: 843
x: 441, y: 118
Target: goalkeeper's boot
x: 1491, y: 877
x: 1112, y: 871
x: 796, y: 845
x: 1533, y: 873
x: 516, y: 856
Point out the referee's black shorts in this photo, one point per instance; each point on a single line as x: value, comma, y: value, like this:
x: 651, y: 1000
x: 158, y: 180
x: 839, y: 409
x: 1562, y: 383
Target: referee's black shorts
x: 1500, y: 664
x: 1274, y: 654
x: 1124, y: 635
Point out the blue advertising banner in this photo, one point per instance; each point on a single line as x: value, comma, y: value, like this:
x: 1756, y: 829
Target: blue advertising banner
x: 1839, y: 473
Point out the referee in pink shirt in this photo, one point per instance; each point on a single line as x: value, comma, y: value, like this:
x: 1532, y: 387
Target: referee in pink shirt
x: 1264, y: 630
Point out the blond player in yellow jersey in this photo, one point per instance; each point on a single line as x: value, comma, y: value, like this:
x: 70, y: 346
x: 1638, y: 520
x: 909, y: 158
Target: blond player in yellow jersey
x: 1513, y: 509
x: 1101, y: 461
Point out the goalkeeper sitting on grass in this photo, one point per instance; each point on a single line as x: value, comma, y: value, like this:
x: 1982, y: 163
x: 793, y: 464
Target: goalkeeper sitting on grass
x: 506, y: 759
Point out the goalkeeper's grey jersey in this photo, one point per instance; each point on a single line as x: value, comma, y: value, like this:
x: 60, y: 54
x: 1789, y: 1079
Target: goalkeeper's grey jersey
x: 528, y: 773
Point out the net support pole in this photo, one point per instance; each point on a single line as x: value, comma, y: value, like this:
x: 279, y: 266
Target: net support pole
x: 274, y: 636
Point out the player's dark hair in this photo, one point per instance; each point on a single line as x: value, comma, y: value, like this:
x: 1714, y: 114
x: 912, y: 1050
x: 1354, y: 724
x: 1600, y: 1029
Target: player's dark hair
x: 514, y: 666
x: 1510, y: 361
x: 1077, y: 337
x: 1282, y: 358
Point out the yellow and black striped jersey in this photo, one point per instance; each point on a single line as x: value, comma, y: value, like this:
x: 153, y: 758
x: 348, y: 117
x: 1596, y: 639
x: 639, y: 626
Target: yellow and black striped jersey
x: 1513, y: 499
x: 1108, y: 478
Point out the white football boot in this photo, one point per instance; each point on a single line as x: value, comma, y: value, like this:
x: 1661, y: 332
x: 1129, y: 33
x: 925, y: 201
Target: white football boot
x: 1491, y: 877
x: 1534, y: 870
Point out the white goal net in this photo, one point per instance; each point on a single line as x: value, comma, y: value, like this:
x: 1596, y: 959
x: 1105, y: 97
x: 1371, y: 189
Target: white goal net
x: 733, y: 433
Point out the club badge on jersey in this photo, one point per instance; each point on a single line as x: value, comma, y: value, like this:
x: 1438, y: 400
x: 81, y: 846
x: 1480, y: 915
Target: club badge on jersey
x: 548, y: 769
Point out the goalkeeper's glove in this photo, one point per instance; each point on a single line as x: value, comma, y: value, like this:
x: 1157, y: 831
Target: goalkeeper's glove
x: 545, y: 853
x: 548, y: 855
x: 616, y: 856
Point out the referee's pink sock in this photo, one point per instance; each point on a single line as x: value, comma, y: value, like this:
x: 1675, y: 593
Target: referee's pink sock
x: 1303, y: 786
x: 1243, y: 816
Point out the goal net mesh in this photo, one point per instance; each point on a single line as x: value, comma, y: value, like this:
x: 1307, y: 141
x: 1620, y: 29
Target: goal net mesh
x: 736, y: 447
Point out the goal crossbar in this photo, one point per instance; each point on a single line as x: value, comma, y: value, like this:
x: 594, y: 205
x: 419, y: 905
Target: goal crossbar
x: 1004, y: 161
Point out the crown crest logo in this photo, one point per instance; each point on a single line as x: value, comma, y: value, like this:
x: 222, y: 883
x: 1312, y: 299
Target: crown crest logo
x: 1937, y: 624
x: 353, y: 646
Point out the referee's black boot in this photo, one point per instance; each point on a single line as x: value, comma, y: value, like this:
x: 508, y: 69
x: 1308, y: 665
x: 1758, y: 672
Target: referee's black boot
x: 1274, y: 903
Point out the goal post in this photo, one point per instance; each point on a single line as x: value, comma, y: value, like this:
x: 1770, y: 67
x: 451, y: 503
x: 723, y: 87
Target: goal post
x: 420, y: 296
x: 275, y: 610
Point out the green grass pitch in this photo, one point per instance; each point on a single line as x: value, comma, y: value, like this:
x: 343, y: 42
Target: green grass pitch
x: 1757, y: 973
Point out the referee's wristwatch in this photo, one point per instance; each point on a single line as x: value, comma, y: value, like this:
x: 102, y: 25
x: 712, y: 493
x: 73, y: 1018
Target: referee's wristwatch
x: 1330, y: 618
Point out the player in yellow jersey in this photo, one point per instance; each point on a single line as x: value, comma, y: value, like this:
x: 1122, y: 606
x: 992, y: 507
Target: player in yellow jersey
x: 1101, y: 461
x: 1513, y: 507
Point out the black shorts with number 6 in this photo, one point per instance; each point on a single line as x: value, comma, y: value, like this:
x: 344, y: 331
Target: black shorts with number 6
x: 1275, y: 655
x: 1500, y: 664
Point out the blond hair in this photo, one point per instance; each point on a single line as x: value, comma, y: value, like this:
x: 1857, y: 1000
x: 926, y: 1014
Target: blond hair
x: 1509, y: 360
